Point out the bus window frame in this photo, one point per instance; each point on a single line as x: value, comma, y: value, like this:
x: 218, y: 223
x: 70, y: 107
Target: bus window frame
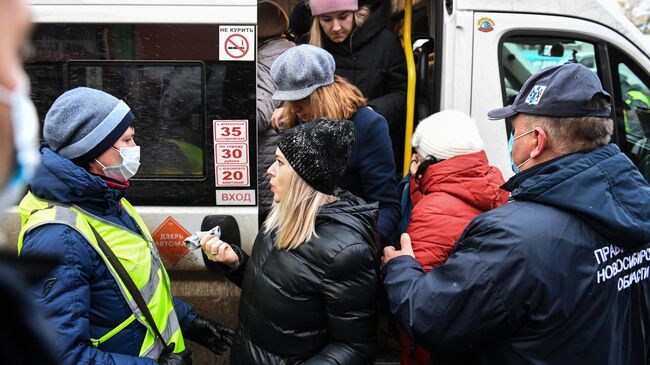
x: 617, y: 56
x: 203, y: 127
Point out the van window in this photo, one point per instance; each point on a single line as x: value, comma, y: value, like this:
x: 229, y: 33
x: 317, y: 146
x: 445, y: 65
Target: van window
x: 522, y: 56
x: 171, y: 77
x: 168, y: 104
x: 632, y: 98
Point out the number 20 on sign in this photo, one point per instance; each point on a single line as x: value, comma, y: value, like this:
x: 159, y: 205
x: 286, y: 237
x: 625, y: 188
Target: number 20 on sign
x: 232, y: 175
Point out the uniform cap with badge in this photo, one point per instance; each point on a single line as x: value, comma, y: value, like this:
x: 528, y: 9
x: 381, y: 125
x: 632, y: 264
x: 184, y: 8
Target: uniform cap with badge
x: 560, y: 91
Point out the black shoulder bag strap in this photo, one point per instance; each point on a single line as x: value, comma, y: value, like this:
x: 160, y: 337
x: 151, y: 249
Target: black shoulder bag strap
x: 132, y: 288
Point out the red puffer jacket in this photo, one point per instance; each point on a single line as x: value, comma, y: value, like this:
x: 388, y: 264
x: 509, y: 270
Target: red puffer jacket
x: 454, y: 191
x: 445, y: 199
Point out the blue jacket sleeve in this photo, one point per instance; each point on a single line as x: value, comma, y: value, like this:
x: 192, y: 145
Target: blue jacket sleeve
x: 472, y: 299
x: 64, y: 295
x: 377, y: 170
x: 185, y: 313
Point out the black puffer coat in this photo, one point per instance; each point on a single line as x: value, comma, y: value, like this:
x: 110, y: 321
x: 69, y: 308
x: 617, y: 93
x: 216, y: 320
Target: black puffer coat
x: 316, y: 303
x: 373, y: 60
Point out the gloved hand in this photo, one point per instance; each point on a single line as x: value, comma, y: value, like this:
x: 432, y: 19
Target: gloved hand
x: 181, y: 358
x: 212, y: 335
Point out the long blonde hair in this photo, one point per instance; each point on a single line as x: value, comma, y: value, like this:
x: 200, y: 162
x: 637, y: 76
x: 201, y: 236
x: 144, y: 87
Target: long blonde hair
x: 337, y: 101
x: 316, y: 33
x: 294, y: 217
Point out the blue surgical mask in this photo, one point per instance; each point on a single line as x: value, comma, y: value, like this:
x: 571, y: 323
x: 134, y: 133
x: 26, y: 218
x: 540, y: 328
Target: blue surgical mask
x: 127, y: 168
x: 24, y: 120
x: 511, y: 141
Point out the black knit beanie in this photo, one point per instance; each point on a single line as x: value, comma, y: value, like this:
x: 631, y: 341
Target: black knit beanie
x: 318, y: 151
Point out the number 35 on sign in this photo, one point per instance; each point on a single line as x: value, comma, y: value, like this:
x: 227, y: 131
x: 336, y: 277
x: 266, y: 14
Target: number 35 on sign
x: 230, y: 131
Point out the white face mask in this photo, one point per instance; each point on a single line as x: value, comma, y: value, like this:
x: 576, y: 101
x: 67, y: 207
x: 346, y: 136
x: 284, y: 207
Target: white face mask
x: 129, y: 166
x: 24, y: 121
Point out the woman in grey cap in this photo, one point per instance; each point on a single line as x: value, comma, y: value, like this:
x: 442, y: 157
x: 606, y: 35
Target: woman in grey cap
x: 310, y: 285
x: 305, y: 80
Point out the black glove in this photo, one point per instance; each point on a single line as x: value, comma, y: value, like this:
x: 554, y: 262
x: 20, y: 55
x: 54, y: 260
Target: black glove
x: 181, y: 358
x: 212, y: 335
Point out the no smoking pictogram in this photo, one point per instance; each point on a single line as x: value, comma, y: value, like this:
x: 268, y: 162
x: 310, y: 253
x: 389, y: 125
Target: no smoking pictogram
x: 236, y: 43
x: 237, y: 46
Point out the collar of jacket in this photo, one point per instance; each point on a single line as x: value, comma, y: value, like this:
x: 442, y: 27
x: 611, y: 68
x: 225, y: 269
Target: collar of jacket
x: 59, y: 179
x: 375, y: 23
x: 353, y: 212
x: 601, y: 186
x: 547, y: 167
x: 273, y: 46
x: 459, y: 166
x: 467, y: 177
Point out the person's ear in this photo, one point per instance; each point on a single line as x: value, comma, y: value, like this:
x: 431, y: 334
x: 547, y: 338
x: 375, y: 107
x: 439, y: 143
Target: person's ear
x: 415, y: 163
x: 94, y: 167
x: 541, y: 142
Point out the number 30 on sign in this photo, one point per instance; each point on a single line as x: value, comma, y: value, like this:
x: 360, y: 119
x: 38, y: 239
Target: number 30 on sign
x: 231, y: 153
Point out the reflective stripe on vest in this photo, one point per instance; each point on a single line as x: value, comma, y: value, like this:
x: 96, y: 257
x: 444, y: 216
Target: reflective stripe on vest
x: 136, y: 252
x: 637, y: 95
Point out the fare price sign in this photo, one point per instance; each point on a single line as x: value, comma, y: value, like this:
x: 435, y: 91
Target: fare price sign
x: 231, y: 158
x: 232, y: 175
x: 230, y: 131
x: 231, y: 153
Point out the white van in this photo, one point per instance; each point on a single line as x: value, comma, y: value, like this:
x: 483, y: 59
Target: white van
x: 187, y: 69
x: 480, y: 53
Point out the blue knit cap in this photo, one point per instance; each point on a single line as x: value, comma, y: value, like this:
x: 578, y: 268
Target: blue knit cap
x: 300, y: 70
x: 83, y: 123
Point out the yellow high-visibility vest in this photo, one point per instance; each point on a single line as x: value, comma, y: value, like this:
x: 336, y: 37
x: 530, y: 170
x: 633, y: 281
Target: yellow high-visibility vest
x: 135, y: 251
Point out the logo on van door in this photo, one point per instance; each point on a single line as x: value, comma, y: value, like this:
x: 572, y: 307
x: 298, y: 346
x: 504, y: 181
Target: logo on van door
x: 485, y: 25
x: 535, y: 95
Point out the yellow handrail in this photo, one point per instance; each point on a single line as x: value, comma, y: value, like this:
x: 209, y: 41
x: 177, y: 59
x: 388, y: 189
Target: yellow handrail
x: 410, y: 91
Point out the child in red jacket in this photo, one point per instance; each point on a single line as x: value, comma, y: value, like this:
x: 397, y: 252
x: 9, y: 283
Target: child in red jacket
x: 451, y: 183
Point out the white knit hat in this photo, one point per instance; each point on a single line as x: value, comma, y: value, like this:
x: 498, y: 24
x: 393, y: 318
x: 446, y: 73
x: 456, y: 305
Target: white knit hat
x: 447, y: 134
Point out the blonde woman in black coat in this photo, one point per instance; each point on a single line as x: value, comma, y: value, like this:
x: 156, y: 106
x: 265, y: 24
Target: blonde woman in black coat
x: 309, y: 287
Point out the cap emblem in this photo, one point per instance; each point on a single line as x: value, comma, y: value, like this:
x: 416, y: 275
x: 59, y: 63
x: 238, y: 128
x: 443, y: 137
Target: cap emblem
x: 535, y: 95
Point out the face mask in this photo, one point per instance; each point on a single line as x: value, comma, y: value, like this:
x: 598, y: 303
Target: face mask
x: 511, y: 141
x: 129, y: 166
x: 24, y: 122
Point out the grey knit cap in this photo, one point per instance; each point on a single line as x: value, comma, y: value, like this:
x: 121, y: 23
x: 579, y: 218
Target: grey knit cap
x: 300, y: 70
x: 318, y: 151
x: 83, y: 123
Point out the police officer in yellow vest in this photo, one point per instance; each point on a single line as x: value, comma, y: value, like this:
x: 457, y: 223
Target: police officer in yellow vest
x: 110, y: 299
